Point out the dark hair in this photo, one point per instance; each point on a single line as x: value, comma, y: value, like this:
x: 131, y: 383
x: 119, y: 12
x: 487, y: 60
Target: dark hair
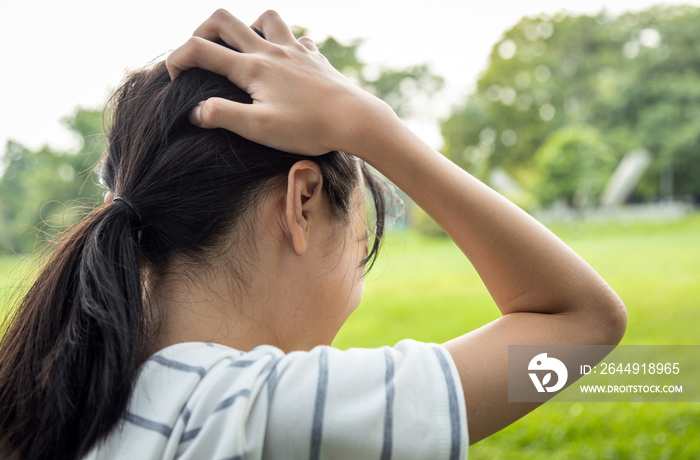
x: 69, y: 360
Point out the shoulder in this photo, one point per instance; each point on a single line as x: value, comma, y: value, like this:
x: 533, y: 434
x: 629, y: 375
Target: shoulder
x: 405, y: 400
x: 198, y: 400
x: 184, y: 390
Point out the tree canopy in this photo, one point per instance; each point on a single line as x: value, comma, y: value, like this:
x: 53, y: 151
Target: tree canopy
x: 629, y: 81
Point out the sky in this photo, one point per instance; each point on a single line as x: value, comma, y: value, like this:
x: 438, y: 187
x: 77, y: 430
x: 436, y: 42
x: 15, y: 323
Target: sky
x: 59, y: 55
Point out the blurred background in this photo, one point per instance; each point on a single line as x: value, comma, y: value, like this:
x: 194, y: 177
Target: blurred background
x: 584, y: 113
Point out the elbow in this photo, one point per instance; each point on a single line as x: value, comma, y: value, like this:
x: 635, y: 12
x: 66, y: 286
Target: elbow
x: 618, y: 321
x: 611, y: 320
x: 601, y: 318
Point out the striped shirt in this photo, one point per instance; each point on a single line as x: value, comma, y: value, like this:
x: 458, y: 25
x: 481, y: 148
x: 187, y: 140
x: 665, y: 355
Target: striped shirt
x: 205, y: 401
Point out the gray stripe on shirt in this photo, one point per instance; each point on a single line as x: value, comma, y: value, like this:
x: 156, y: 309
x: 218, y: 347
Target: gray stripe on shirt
x: 171, y: 363
x: 389, y: 410
x: 272, y: 377
x: 242, y: 362
x: 189, y: 435
x: 230, y: 400
x: 321, y: 389
x: 185, y: 414
x: 151, y: 425
x: 454, y: 409
x: 237, y: 362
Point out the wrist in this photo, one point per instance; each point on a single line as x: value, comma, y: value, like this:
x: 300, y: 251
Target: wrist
x: 365, y: 120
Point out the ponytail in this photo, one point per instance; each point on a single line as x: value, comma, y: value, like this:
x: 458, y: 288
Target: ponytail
x: 69, y: 359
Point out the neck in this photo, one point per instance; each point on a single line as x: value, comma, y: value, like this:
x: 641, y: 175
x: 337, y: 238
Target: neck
x: 269, y: 295
x: 273, y: 305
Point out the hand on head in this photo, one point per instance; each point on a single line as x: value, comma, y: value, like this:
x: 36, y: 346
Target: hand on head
x: 301, y: 104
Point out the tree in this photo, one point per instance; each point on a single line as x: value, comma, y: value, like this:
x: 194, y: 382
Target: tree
x: 574, y: 164
x: 397, y: 87
x: 635, y: 78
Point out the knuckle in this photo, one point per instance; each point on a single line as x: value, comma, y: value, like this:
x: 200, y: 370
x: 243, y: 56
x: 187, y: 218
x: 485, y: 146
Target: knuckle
x: 280, y: 52
x: 220, y: 14
x: 211, y: 112
x: 194, y: 43
x: 170, y: 66
x: 270, y: 14
x: 307, y: 43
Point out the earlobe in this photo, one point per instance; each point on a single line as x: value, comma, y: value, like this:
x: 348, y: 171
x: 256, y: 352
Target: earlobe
x: 303, y: 202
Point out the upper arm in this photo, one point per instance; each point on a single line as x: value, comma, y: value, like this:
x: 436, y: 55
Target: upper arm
x: 481, y: 357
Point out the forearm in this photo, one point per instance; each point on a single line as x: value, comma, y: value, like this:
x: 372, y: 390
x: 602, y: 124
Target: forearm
x: 523, y: 265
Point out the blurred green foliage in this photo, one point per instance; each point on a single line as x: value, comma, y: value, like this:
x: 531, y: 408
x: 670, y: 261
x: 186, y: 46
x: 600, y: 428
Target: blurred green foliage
x: 574, y: 164
x: 634, y: 78
x: 397, y: 87
x: 44, y: 191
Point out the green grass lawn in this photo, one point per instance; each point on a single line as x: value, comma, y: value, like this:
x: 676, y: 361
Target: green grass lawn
x: 426, y: 290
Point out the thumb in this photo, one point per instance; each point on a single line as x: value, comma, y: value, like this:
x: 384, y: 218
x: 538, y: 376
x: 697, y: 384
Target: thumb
x: 218, y: 112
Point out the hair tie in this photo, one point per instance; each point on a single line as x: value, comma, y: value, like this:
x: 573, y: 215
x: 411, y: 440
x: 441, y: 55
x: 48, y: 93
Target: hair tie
x: 130, y: 206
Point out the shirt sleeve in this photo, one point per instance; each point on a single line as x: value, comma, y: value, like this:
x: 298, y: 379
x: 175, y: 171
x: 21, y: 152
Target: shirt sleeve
x: 403, y: 402
x: 202, y: 401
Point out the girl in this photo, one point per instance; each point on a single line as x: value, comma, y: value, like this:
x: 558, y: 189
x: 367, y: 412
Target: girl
x: 191, y: 316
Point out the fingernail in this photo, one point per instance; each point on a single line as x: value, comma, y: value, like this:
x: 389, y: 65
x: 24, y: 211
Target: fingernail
x: 195, y: 115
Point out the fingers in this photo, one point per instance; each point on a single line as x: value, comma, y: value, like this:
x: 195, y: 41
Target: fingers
x: 202, y: 53
x: 225, y: 26
x: 273, y: 28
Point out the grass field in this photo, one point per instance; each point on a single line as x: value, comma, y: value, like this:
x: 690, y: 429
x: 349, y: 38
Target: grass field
x: 425, y: 289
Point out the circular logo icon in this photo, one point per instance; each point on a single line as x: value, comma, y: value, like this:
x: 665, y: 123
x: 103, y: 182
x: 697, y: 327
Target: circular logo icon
x: 542, y: 362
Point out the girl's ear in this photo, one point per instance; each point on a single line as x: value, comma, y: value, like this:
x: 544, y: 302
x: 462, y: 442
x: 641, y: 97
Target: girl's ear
x: 304, y: 202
